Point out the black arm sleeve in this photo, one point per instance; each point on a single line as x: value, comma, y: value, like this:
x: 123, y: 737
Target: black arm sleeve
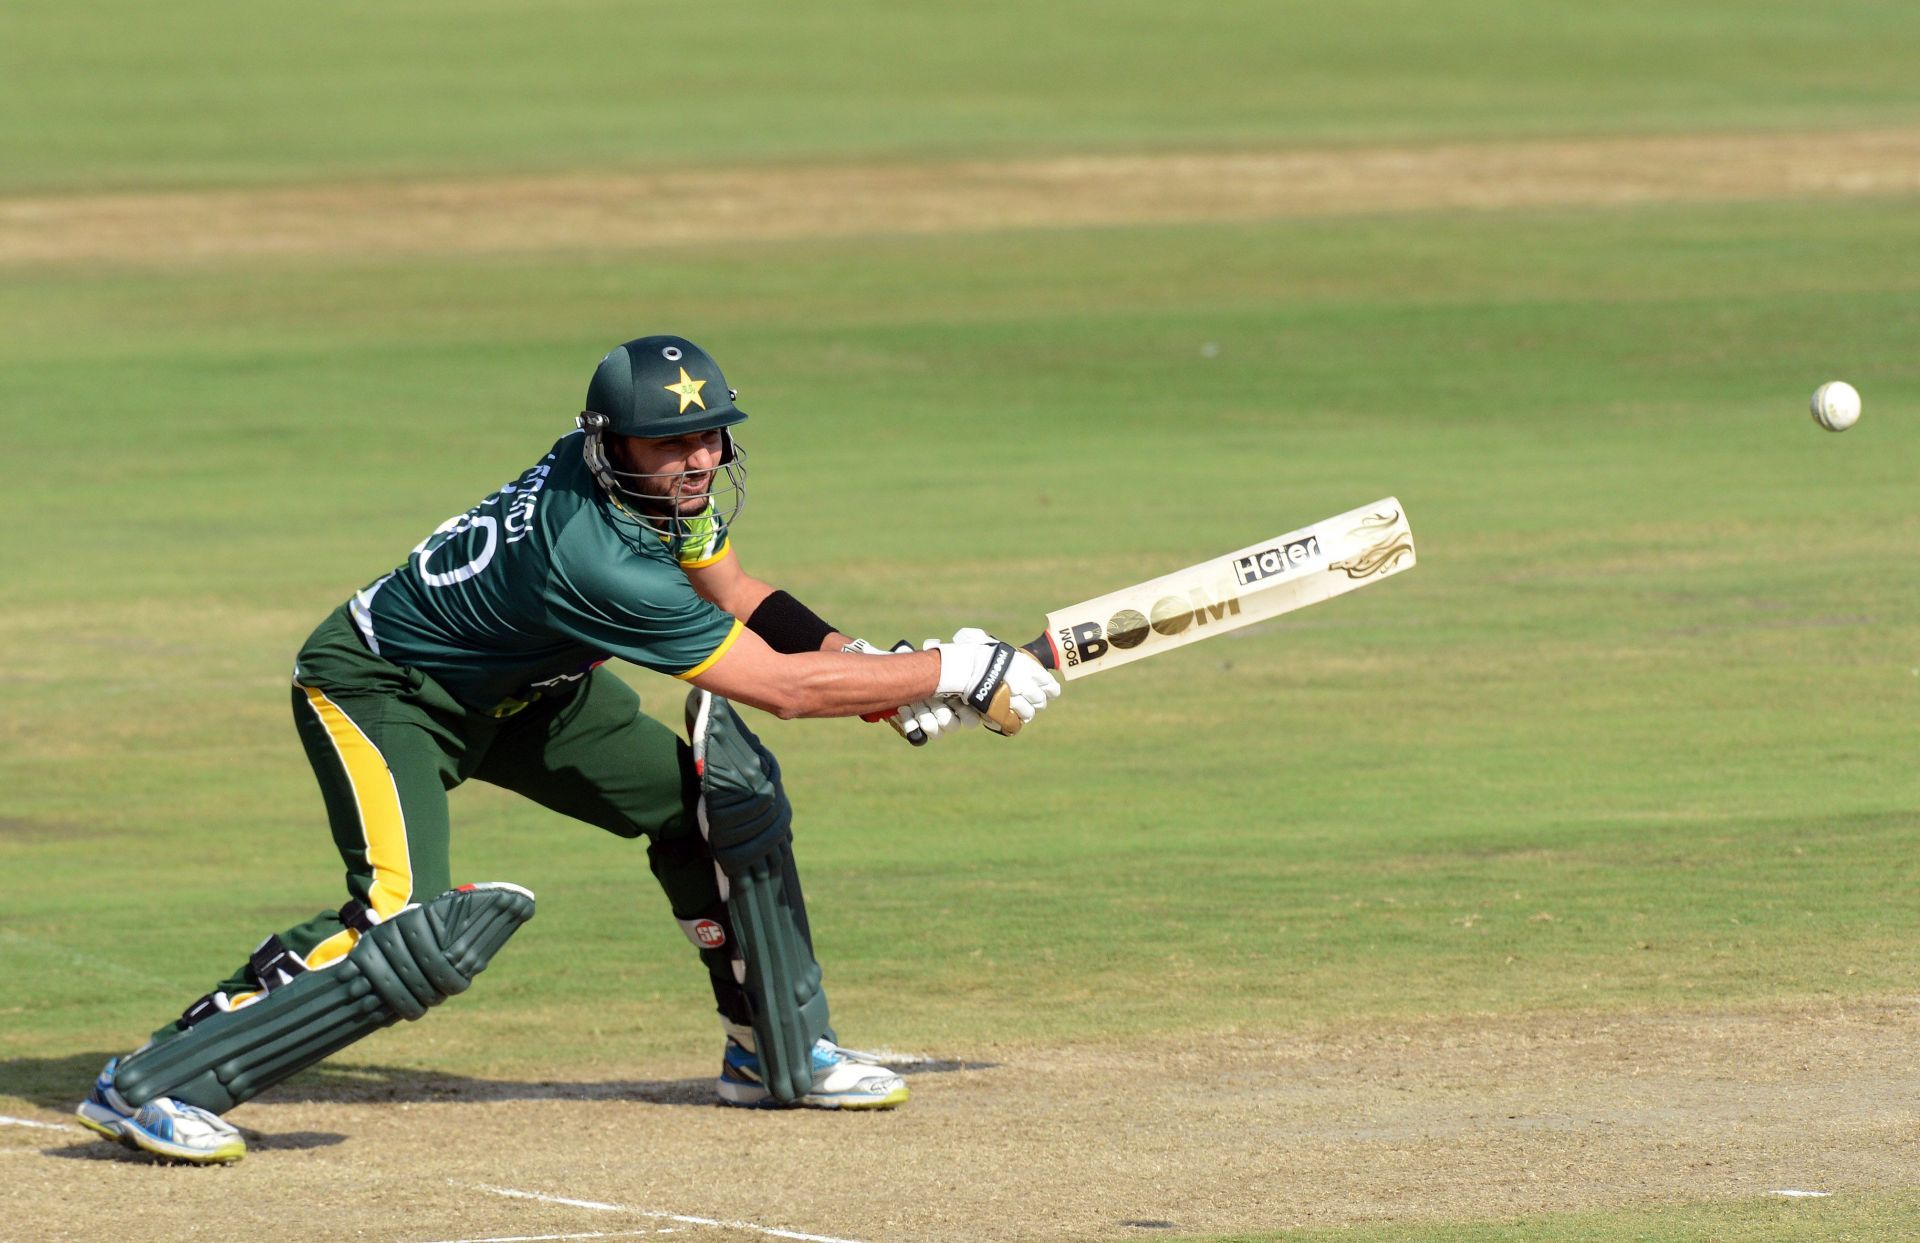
x: 789, y: 626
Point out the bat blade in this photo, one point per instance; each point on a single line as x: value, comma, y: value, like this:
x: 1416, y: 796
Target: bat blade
x: 1263, y: 580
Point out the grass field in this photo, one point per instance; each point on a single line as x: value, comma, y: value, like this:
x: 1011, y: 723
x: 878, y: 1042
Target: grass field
x: 214, y: 91
x: 1562, y: 888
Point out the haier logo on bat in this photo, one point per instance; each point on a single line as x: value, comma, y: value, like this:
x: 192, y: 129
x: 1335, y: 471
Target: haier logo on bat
x: 1271, y: 561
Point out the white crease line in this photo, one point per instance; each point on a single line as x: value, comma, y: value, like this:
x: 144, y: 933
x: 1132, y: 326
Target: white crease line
x: 658, y: 1215
x: 43, y: 1126
x: 1796, y: 1193
x: 895, y: 1057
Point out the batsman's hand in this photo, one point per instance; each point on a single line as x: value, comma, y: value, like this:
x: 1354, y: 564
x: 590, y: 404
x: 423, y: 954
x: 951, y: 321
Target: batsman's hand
x: 1001, y: 682
x: 923, y: 720
x: 935, y: 717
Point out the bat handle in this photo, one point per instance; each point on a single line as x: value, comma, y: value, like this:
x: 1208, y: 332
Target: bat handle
x: 1041, y: 649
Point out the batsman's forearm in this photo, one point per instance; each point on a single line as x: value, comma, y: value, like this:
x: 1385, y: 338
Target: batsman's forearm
x: 821, y: 684
x: 853, y: 684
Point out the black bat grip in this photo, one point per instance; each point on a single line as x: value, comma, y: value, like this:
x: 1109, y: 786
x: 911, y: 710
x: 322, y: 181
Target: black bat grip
x: 1041, y: 649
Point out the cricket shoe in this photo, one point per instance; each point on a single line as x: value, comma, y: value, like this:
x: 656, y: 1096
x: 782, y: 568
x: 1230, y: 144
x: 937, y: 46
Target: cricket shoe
x: 842, y: 1078
x: 163, y: 1126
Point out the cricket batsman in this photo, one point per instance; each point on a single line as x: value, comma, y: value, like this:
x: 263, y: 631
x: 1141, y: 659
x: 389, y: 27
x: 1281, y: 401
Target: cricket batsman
x: 481, y: 656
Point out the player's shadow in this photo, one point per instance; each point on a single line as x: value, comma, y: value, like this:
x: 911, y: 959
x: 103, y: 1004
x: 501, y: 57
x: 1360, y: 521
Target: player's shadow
x: 59, y: 1083
x: 52, y: 1082
x: 348, y: 1083
x: 85, y: 1146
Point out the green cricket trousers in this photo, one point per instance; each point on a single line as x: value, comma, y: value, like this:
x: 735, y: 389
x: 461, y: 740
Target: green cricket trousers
x: 387, y: 742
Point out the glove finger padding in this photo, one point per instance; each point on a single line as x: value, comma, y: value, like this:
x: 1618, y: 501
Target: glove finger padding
x: 938, y: 717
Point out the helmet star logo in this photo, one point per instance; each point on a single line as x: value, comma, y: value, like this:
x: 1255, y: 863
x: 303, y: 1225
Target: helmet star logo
x: 688, y: 390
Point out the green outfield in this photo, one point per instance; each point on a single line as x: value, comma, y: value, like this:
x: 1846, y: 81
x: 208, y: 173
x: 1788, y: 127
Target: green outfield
x: 214, y: 91
x: 1633, y: 742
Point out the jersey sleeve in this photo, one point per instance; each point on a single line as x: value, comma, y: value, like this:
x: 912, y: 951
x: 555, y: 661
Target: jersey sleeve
x: 641, y: 610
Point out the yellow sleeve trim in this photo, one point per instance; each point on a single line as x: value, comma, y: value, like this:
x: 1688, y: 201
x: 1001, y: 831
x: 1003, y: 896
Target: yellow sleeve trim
x: 718, y: 652
x: 703, y: 562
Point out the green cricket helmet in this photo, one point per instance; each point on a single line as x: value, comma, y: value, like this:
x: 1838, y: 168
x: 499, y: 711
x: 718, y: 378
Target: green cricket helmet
x: 656, y: 387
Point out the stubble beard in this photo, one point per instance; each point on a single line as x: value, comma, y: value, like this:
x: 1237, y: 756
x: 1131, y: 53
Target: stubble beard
x: 679, y: 501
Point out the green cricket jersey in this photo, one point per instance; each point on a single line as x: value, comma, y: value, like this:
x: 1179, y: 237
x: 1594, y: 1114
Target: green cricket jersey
x: 530, y: 589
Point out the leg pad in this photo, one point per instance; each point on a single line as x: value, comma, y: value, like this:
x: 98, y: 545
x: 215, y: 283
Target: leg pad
x: 748, y: 822
x: 397, y: 970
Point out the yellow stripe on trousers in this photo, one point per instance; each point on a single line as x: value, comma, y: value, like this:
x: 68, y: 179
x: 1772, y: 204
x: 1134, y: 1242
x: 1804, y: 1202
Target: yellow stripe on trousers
x: 383, y: 825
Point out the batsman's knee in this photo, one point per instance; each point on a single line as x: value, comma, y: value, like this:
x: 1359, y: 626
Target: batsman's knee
x: 743, y: 810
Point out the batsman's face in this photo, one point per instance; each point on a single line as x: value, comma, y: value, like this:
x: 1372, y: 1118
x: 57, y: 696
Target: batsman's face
x: 676, y: 471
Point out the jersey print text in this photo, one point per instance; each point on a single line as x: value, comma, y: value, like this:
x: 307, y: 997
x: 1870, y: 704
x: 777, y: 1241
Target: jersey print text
x: 518, y: 501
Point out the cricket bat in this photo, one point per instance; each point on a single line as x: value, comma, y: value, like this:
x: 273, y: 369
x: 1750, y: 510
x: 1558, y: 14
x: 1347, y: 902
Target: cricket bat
x: 1252, y: 584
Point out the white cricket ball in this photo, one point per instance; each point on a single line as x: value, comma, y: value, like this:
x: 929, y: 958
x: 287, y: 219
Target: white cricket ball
x: 1836, y: 405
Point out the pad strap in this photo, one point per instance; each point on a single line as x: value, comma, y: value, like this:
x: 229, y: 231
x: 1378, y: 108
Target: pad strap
x: 272, y: 965
x: 358, y: 916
